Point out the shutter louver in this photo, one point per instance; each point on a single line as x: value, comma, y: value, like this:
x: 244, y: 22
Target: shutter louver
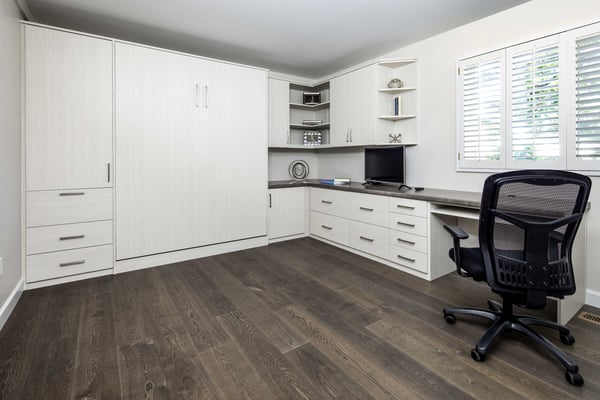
x: 481, y: 111
x: 535, y: 104
x: 587, y: 109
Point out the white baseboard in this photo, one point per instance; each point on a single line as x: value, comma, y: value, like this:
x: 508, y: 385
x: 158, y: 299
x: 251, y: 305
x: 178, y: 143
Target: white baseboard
x: 10, y: 303
x: 592, y: 298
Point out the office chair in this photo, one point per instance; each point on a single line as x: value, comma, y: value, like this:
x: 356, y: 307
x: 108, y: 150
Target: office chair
x: 527, y: 225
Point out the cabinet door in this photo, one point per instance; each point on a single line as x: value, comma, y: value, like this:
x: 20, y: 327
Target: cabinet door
x: 339, y: 130
x: 287, y: 212
x: 68, y: 110
x: 279, y: 113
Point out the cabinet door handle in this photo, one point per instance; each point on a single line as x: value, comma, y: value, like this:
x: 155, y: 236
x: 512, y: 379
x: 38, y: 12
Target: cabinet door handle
x: 412, y: 260
x: 366, y: 209
x: 108, y: 172
x: 205, y: 96
x: 326, y: 227
x: 350, y: 135
x: 71, y: 237
x: 72, y: 194
x: 407, y: 207
x: 197, y: 94
x: 326, y: 202
x: 367, y: 239
x: 406, y: 241
x: 405, y: 224
x: 347, y: 135
x: 289, y: 137
x: 70, y: 264
x: 270, y: 201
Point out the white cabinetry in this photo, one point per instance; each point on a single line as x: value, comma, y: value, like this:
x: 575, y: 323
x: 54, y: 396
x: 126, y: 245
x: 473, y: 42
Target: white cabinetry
x: 191, y: 151
x: 287, y: 212
x: 68, y: 154
x: 279, y: 113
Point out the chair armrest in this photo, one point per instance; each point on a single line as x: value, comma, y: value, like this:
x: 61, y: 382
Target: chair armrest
x: 456, y: 232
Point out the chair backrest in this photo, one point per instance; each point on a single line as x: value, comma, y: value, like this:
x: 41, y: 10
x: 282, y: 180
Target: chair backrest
x: 527, y: 226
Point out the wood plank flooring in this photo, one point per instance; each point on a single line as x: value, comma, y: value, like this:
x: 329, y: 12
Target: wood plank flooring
x: 294, y: 320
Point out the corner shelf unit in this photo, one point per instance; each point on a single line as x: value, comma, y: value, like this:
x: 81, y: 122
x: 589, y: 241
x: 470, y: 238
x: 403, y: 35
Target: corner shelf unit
x: 300, y: 112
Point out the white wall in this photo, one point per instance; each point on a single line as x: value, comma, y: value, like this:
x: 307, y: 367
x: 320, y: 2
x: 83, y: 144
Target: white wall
x: 432, y: 162
x: 10, y: 148
x: 279, y: 162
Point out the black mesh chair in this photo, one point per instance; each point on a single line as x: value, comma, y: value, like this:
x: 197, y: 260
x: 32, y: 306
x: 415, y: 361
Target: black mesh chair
x: 527, y: 226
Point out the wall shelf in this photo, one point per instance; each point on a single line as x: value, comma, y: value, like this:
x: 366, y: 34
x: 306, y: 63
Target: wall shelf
x: 396, y: 90
x: 396, y: 117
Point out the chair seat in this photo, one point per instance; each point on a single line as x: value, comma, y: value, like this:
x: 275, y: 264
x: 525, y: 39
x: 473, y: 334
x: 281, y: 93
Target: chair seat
x: 471, y: 260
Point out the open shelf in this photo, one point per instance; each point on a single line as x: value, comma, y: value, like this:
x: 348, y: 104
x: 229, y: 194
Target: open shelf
x: 396, y: 117
x: 397, y: 63
x: 310, y: 127
x: 300, y: 106
x: 396, y: 90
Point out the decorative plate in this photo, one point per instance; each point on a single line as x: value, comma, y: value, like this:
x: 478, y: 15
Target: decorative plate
x: 298, y: 169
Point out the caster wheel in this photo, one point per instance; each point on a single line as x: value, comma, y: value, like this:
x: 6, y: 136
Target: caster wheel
x: 451, y: 319
x: 574, y: 378
x: 567, y: 339
x: 477, y: 355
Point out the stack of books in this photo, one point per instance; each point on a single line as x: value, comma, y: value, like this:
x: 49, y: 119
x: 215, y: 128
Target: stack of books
x: 336, y: 181
x: 397, y: 106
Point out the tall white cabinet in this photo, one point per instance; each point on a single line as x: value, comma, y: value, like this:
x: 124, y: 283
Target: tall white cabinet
x: 68, y: 154
x: 191, y: 151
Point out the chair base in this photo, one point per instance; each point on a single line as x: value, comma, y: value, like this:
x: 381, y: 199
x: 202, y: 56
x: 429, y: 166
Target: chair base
x: 503, y: 320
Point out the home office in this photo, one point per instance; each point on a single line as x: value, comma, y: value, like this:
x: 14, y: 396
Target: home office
x: 252, y: 298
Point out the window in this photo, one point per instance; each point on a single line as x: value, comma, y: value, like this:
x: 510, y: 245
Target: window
x: 534, y: 105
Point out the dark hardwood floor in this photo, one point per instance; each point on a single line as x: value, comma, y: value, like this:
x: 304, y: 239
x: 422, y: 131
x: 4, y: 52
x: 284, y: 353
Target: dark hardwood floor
x: 294, y: 320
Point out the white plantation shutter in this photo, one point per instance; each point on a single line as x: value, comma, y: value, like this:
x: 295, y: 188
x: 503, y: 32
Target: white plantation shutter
x: 480, y: 111
x: 533, y: 101
x: 587, y: 109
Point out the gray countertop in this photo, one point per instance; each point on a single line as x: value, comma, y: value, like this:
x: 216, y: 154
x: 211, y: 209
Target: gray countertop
x: 440, y: 196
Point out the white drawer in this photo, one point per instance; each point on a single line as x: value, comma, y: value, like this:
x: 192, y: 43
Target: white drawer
x: 329, y: 227
x: 329, y: 201
x: 369, y: 208
x: 369, y: 238
x: 407, y: 206
x: 68, y: 206
x: 408, y: 223
x: 409, y: 258
x: 408, y: 241
x: 68, y: 262
x: 70, y: 236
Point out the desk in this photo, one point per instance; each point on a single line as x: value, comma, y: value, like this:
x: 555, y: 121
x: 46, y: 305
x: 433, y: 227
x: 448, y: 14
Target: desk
x: 460, y: 208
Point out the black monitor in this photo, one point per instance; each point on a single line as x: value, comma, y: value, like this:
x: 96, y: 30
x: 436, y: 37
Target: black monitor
x: 385, y: 165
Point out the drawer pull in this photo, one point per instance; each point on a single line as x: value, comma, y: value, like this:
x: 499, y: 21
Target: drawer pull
x: 70, y: 264
x: 412, y: 260
x: 71, y: 194
x: 326, y: 227
x: 326, y: 201
x: 405, y: 224
x: 366, y: 209
x: 406, y: 241
x: 407, y: 207
x: 71, y: 237
x: 367, y: 239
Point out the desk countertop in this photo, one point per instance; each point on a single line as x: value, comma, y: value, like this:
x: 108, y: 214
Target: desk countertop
x: 441, y: 196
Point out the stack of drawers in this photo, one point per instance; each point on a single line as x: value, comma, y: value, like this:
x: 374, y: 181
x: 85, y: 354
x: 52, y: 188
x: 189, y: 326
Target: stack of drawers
x: 328, y: 209
x: 408, y: 233
x: 69, y: 232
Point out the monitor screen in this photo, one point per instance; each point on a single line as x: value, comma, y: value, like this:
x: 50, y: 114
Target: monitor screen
x: 385, y: 164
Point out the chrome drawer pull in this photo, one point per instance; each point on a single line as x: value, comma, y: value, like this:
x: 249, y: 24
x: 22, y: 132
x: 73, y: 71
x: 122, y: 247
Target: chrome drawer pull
x: 366, y: 209
x: 72, y: 194
x: 71, y: 237
x: 367, y: 239
x: 326, y: 201
x: 412, y: 260
x: 406, y: 241
x: 326, y: 227
x: 407, y: 207
x: 405, y: 224
x: 69, y: 264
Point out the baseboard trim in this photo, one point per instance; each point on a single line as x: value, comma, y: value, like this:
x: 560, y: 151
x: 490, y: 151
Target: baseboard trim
x: 592, y: 298
x: 10, y: 303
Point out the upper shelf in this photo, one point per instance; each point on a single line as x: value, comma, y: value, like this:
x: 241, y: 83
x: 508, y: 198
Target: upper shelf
x: 310, y: 127
x: 301, y: 106
x: 396, y: 90
x: 396, y: 117
x: 397, y: 63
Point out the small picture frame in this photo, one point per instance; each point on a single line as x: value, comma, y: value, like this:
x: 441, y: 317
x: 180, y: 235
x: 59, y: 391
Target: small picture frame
x: 312, y: 138
x: 311, y: 98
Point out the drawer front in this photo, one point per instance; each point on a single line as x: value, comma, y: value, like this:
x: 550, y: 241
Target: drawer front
x: 68, y: 206
x: 329, y: 227
x: 368, y: 208
x: 409, y: 258
x: 408, y: 241
x: 70, y: 236
x: 329, y: 201
x: 408, y: 223
x: 409, y: 207
x: 68, y: 262
x: 369, y: 238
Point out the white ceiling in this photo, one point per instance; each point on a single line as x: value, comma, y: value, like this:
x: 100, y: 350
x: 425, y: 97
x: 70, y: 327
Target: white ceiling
x: 309, y: 38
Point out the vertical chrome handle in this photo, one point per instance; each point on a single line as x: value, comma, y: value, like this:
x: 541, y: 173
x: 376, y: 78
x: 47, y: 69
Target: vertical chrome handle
x: 197, y: 93
x: 108, y: 172
x: 289, y: 137
x: 270, y: 201
x: 347, y: 135
x: 350, y: 135
x: 205, y: 96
